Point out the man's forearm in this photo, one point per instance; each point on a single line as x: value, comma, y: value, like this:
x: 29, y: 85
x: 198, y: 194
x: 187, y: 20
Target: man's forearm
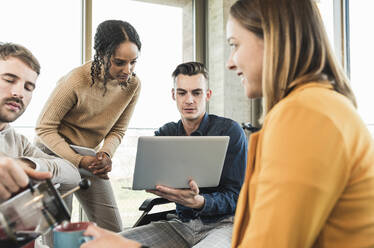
x: 219, y: 203
x: 62, y: 171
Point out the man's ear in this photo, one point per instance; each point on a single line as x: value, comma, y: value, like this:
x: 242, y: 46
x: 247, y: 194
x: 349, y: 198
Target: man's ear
x: 173, y: 93
x: 208, y: 94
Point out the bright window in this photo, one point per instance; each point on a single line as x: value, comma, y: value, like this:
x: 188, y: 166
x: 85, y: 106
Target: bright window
x: 52, y: 31
x: 361, y: 57
x: 55, y: 39
x: 326, y: 8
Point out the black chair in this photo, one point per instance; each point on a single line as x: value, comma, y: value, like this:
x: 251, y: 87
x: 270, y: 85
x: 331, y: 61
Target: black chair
x: 147, y: 206
x: 248, y: 126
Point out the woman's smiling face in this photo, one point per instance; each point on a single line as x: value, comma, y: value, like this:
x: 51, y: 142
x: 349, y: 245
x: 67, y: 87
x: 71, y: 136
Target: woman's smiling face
x: 246, y: 57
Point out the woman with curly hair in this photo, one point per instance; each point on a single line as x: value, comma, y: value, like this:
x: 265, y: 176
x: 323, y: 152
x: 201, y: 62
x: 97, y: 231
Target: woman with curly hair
x: 91, y: 106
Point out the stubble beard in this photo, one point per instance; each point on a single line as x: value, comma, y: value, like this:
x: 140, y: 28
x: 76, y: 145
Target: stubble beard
x: 7, y: 116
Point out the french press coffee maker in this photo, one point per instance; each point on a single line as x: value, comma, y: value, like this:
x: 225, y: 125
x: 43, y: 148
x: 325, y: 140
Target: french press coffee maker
x: 33, y: 212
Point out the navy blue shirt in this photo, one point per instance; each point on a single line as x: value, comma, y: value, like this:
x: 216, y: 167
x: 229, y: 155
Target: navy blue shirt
x: 220, y: 202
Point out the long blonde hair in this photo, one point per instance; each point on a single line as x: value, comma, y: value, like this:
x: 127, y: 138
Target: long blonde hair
x: 296, y: 47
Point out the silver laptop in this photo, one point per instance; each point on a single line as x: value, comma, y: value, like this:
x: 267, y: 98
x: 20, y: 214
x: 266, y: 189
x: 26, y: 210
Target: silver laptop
x: 173, y: 160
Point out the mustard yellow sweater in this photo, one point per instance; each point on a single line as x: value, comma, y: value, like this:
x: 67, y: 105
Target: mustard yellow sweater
x: 78, y: 113
x: 310, y: 176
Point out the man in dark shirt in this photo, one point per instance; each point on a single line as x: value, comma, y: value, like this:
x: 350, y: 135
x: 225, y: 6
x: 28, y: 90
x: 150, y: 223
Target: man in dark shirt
x: 204, y: 216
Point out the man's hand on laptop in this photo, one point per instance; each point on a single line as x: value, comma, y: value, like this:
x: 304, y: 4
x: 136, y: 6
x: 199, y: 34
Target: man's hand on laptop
x: 186, y: 197
x: 14, y: 176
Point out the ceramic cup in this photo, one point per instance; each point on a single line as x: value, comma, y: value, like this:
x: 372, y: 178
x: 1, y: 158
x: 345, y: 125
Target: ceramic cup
x: 70, y: 235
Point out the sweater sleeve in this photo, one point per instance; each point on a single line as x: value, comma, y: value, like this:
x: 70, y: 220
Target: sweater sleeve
x: 303, y: 168
x: 62, y: 99
x: 114, y: 137
x: 62, y: 171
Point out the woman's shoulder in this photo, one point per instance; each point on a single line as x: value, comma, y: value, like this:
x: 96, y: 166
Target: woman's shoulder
x: 315, y: 97
x: 81, y: 72
x: 78, y: 76
x: 315, y: 104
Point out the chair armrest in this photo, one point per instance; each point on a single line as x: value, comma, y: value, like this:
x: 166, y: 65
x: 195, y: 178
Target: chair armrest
x: 248, y: 126
x: 148, y: 204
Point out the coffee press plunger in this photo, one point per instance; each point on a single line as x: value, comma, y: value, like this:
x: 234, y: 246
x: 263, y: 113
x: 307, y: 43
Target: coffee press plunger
x: 33, y: 212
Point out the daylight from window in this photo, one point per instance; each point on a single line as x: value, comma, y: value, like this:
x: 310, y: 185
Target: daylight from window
x: 57, y: 43
x: 362, y: 53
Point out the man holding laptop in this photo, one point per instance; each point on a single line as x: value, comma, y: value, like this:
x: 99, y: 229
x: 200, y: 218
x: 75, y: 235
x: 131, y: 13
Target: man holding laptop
x: 205, y: 216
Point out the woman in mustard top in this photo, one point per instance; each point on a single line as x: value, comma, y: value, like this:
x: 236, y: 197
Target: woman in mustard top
x: 310, y: 171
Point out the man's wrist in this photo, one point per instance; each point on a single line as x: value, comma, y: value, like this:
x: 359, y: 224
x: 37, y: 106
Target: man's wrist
x: 107, y: 154
x: 200, y: 202
x: 26, y: 162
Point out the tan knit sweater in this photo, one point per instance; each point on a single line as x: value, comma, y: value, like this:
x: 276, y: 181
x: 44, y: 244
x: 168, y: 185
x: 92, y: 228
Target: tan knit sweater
x: 78, y: 113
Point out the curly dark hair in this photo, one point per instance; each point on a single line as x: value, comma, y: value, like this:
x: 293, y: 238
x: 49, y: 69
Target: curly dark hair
x: 109, y: 35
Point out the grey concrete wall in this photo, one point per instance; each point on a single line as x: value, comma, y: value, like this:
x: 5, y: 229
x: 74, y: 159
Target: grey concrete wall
x: 228, y: 95
x: 188, y: 30
x: 176, y: 3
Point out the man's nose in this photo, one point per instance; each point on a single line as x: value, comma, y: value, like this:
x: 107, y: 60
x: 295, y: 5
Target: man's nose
x: 18, y: 90
x: 190, y: 98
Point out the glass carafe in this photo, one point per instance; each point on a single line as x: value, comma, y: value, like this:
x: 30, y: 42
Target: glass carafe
x: 31, y: 213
